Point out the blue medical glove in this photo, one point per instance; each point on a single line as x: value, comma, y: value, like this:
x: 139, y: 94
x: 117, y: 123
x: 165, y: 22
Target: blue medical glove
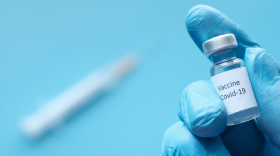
x: 202, y: 130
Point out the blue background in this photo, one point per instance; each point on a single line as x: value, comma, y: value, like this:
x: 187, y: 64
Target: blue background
x: 46, y: 46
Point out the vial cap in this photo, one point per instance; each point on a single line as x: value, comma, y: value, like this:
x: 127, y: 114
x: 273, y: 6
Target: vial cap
x: 216, y: 44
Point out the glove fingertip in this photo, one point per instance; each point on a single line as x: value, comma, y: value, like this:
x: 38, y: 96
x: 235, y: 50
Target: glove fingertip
x: 178, y: 140
x: 195, y: 22
x: 262, y: 69
x: 193, y: 13
x: 204, y: 22
x: 202, y: 110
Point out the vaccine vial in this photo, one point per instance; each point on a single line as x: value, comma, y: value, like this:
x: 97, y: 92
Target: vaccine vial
x: 230, y: 79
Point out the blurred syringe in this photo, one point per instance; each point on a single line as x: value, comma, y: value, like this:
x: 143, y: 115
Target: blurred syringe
x: 56, y: 111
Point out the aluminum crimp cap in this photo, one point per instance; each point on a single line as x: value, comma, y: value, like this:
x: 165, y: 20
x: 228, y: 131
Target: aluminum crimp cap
x: 216, y: 44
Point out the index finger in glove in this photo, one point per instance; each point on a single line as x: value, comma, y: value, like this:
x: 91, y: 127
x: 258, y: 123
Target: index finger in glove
x: 204, y: 22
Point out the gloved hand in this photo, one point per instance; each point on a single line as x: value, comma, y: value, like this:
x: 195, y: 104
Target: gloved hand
x: 202, y: 130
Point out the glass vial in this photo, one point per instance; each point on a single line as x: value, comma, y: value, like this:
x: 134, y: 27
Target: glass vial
x: 230, y: 79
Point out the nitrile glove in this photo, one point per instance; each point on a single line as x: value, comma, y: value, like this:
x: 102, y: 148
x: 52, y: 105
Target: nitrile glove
x: 202, y: 130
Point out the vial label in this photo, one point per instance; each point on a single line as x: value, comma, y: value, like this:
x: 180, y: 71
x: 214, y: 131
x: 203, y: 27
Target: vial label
x: 234, y: 88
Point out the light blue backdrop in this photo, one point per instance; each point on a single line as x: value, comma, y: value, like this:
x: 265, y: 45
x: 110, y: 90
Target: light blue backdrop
x: 45, y: 46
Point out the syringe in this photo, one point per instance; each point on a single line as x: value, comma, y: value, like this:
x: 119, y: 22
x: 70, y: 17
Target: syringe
x: 57, y: 110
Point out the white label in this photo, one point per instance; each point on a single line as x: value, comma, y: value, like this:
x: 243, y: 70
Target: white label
x: 234, y: 88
